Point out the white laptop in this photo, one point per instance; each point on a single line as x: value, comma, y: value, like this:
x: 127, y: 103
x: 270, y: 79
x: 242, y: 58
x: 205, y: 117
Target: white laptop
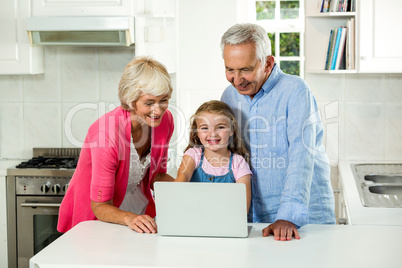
x: 201, y: 209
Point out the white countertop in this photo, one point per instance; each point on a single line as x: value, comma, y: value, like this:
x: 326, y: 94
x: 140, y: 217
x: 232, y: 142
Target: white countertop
x: 357, y: 213
x: 99, y: 244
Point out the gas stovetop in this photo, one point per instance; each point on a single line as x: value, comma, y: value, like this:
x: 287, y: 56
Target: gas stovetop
x: 48, y: 162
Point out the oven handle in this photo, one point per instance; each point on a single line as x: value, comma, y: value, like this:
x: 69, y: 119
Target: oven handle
x: 50, y: 205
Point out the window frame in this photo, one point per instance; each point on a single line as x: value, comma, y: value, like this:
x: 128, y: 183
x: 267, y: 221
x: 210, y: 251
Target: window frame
x: 278, y: 26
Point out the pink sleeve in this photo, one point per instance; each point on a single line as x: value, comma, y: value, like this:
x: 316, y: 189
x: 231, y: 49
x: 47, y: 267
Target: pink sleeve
x: 195, y: 154
x: 240, y: 167
x: 104, y: 165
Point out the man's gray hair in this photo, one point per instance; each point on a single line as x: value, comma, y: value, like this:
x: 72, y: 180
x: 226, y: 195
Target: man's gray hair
x: 248, y: 33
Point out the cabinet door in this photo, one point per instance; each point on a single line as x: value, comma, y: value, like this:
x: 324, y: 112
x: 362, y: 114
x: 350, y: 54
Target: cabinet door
x: 16, y: 55
x: 380, y: 38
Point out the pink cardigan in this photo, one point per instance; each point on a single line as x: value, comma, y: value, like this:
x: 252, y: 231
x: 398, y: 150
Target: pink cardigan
x: 103, y: 166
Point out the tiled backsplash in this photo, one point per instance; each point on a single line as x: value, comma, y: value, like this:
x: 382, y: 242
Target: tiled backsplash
x: 370, y: 114
x: 362, y: 114
x: 33, y: 108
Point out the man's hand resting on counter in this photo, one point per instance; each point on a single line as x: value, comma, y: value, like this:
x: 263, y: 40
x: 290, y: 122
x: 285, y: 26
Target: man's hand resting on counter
x: 282, y: 230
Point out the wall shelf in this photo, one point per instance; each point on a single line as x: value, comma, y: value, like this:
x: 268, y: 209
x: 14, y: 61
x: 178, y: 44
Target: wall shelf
x: 332, y: 14
x: 331, y: 71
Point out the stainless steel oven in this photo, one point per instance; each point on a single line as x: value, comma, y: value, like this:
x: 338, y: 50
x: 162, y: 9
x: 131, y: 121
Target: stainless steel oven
x: 35, y: 189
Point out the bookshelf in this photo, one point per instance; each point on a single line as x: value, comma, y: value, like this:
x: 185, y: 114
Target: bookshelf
x: 317, y: 33
x: 377, y: 38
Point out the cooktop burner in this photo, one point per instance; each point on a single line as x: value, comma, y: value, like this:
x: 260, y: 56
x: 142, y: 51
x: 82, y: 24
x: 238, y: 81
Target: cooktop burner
x: 50, y: 162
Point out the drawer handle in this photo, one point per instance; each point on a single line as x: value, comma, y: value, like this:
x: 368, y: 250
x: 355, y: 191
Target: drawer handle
x: 49, y: 205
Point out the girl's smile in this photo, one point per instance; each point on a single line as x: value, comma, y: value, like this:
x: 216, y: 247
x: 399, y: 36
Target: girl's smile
x: 214, y: 131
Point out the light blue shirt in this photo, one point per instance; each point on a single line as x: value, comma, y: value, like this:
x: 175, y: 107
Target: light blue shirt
x: 281, y: 127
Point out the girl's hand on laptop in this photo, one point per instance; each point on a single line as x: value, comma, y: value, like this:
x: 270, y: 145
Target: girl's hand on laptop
x: 142, y: 224
x: 282, y: 230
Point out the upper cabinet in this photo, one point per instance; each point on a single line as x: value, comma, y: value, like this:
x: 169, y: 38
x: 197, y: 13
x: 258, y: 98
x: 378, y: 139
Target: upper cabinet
x: 379, y: 45
x: 16, y: 55
x: 372, y: 40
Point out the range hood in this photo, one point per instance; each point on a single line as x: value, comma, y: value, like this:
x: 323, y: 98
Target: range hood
x: 81, y: 31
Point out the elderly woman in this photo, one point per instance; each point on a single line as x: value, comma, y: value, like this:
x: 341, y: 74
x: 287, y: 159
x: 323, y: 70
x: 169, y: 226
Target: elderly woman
x: 124, y: 152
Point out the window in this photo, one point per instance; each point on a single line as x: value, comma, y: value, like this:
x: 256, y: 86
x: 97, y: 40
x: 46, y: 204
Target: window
x: 284, y: 22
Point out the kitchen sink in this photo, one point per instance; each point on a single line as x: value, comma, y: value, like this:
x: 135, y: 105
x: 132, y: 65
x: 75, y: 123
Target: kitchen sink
x: 379, y: 185
x: 386, y: 189
x: 383, y: 178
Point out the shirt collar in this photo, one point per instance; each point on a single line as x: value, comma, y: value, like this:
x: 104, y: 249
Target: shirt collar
x: 276, y: 72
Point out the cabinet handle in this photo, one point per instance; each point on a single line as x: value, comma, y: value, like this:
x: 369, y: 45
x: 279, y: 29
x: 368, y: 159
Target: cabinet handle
x: 363, y: 57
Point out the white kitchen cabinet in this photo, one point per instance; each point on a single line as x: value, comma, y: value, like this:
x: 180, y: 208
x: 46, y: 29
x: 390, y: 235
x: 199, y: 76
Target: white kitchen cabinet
x: 377, y: 24
x: 83, y: 8
x: 16, y: 55
x: 380, y: 38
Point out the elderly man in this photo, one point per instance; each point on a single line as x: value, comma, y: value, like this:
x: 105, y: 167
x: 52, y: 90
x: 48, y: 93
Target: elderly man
x: 282, y: 129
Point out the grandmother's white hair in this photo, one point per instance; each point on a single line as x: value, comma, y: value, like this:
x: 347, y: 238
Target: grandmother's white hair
x: 143, y: 75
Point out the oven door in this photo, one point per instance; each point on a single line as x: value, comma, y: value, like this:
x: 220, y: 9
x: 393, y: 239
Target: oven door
x: 36, y: 225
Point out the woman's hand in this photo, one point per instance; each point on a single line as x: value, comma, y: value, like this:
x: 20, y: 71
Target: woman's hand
x: 105, y: 211
x: 141, y: 223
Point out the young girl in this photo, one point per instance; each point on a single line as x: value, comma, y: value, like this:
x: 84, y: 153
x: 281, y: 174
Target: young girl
x: 215, y: 152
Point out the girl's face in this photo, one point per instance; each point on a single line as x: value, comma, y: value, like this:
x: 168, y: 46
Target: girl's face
x: 214, y: 131
x: 149, y: 109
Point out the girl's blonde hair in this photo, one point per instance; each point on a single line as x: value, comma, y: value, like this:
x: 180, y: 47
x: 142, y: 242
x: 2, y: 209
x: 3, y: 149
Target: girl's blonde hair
x: 236, y: 144
x: 143, y: 75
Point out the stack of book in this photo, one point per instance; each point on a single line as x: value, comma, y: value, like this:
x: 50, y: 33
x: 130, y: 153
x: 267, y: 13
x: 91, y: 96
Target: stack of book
x: 341, y: 48
x: 338, y: 6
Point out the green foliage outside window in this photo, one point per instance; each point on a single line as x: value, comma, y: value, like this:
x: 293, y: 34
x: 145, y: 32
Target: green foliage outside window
x: 265, y: 10
x: 290, y: 67
x: 272, y: 38
x: 289, y: 10
x: 289, y: 44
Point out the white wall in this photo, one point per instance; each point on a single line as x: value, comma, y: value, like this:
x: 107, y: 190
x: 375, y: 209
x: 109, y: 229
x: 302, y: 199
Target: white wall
x: 201, y: 72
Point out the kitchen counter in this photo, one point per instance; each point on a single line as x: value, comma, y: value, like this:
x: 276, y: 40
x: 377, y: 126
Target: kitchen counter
x: 356, y: 212
x: 5, y: 164
x: 99, y: 244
